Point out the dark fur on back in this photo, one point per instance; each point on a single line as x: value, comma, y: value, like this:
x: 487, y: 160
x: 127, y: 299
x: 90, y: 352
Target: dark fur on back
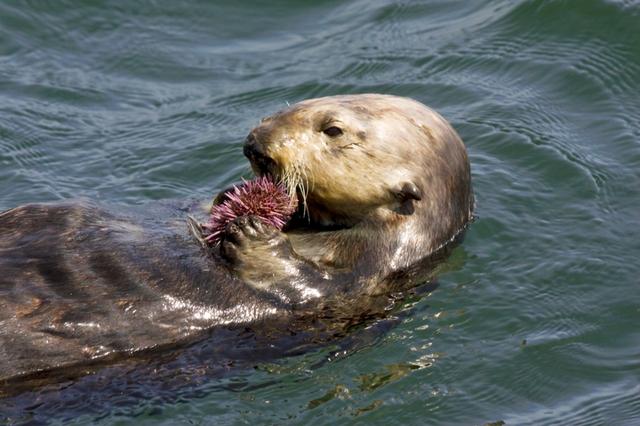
x: 80, y: 286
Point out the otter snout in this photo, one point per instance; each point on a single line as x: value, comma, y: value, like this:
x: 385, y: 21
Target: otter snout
x: 260, y: 162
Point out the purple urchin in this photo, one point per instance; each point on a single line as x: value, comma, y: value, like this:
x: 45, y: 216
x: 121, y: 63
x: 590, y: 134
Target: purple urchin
x: 260, y: 197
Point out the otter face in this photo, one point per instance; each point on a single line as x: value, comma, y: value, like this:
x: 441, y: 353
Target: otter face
x: 346, y: 156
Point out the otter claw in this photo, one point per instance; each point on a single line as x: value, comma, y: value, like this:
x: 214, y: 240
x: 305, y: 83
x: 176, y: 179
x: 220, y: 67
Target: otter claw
x: 233, y: 234
x: 244, y: 234
x: 258, y: 226
x: 229, y: 250
x: 248, y: 228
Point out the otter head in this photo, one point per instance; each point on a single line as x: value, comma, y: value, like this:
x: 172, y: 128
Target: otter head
x: 363, y: 157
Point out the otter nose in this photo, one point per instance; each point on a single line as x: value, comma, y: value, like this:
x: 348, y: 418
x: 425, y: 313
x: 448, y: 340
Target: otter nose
x: 256, y: 154
x: 251, y: 149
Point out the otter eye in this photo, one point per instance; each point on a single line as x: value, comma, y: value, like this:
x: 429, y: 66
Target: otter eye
x: 332, y: 131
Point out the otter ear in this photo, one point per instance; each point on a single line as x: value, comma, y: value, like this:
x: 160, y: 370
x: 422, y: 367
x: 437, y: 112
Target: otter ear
x: 408, y: 191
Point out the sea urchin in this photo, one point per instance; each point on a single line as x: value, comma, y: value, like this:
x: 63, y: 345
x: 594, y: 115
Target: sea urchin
x: 260, y: 197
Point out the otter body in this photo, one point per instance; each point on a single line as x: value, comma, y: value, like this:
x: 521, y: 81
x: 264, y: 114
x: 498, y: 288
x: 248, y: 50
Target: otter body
x: 383, y: 184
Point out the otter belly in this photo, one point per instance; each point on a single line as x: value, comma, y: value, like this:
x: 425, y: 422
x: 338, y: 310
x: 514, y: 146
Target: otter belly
x: 80, y: 286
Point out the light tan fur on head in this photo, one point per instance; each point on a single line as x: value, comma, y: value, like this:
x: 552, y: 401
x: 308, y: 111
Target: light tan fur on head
x: 356, y: 156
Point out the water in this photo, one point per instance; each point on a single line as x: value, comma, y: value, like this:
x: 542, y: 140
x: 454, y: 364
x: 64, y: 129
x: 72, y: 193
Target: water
x: 536, y: 321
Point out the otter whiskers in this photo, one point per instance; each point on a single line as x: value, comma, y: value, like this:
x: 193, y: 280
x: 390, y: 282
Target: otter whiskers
x: 295, y: 180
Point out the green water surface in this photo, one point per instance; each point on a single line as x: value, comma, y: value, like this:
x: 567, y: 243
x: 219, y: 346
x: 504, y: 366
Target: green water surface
x: 537, y: 319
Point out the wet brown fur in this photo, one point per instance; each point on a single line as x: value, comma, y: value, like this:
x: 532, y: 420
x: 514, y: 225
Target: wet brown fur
x: 80, y: 286
x: 353, y: 180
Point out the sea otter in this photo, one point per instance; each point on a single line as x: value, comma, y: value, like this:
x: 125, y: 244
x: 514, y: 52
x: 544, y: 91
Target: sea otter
x: 383, y: 182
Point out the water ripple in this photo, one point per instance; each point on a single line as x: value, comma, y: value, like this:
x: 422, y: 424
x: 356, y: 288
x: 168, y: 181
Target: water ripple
x: 535, y: 320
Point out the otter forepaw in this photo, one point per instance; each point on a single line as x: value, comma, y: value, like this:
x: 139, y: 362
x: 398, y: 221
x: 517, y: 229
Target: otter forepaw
x: 248, y: 228
x: 246, y: 236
